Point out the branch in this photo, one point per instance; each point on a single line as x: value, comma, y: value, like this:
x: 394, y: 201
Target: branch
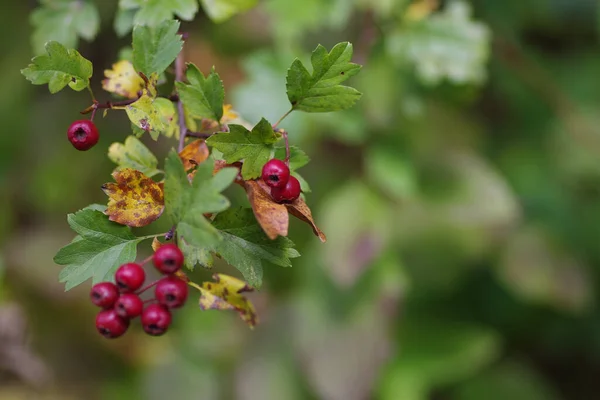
x: 183, y: 131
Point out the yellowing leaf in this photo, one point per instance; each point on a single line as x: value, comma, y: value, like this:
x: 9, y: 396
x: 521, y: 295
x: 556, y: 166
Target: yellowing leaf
x: 300, y: 210
x: 228, y: 114
x: 272, y: 217
x: 134, y: 200
x: 420, y: 9
x: 123, y: 80
x: 193, y: 154
x: 225, y: 294
x: 144, y: 114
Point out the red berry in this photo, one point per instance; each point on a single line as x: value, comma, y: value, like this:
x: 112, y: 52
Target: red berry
x: 129, y: 305
x: 104, y: 294
x: 83, y: 134
x: 289, y: 193
x: 130, y: 277
x: 110, y: 325
x: 168, y: 258
x: 275, y: 173
x: 171, y: 292
x: 156, y: 319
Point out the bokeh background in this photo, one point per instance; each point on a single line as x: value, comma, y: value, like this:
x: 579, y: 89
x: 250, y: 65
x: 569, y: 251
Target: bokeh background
x: 461, y: 199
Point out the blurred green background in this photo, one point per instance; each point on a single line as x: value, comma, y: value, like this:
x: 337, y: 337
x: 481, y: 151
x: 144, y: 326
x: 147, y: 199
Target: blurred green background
x: 461, y: 199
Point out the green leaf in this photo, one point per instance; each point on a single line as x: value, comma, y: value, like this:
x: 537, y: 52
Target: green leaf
x: 155, y: 48
x: 144, y: 114
x: 254, y: 147
x: 153, y: 12
x: 134, y: 154
x: 247, y: 248
x: 298, y: 158
x: 203, y: 97
x: 101, y: 247
x: 449, y: 44
x: 123, y: 23
x: 59, y: 68
x: 391, y: 171
x: 194, y: 255
x: 222, y: 10
x: 64, y: 21
x: 321, y: 91
x: 186, y: 203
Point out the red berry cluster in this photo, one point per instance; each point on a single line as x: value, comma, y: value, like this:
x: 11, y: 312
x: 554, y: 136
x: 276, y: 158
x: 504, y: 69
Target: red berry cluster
x: 284, y: 187
x: 83, y: 134
x: 120, y: 302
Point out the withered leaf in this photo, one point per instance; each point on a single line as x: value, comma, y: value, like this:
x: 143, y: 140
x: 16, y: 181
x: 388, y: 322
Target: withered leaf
x: 300, y: 210
x: 272, y: 217
x: 225, y: 294
x: 193, y: 154
x: 134, y: 200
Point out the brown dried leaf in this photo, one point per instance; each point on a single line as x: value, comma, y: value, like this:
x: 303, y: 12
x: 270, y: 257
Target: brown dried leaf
x: 156, y: 244
x: 272, y: 217
x: 134, y: 200
x: 300, y: 210
x: 193, y: 154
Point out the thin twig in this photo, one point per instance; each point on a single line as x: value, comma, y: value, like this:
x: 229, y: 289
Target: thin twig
x: 201, y: 135
x: 282, y: 118
x: 108, y: 105
x: 183, y: 131
x: 287, y: 147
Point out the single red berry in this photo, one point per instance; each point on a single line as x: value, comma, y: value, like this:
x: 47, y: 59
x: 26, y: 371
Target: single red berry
x: 104, y: 294
x: 156, y: 319
x: 289, y: 193
x: 110, y: 325
x: 83, y: 134
x: 129, y: 305
x: 130, y: 277
x: 275, y: 173
x: 168, y: 258
x: 171, y: 292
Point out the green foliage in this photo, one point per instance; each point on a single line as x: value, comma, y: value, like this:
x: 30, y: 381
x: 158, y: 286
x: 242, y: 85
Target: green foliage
x: 134, y: 154
x: 59, y: 68
x: 153, y: 12
x: 64, y: 21
x: 246, y: 246
x: 186, y: 203
x: 222, y: 10
x: 203, y: 96
x: 255, y: 147
x: 144, y: 115
x: 98, y: 250
x: 322, y: 91
x: 155, y: 48
x: 298, y: 158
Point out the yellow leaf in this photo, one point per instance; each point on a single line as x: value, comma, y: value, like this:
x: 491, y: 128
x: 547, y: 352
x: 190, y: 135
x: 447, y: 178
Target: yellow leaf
x: 123, y: 80
x: 193, y: 154
x: 134, y: 200
x: 225, y: 294
x: 228, y: 114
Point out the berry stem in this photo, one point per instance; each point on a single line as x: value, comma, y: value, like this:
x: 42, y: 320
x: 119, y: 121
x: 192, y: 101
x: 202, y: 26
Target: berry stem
x: 94, y: 112
x: 89, y: 88
x: 148, y: 286
x: 282, y: 118
x: 146, y: 260
x: 287, y: 147
x: 183, y: 131
x: 152, y: 300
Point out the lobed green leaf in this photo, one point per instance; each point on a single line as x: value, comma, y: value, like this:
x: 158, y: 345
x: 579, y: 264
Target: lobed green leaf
x: 155, y: 48
x: 203, y: 96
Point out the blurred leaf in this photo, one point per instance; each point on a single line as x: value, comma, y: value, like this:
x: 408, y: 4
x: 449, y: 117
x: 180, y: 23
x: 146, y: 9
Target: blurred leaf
x: 134, y: 200
x: 153, y: 12
x: 390, y: 171
x: 154, y: 49
x: 61, y: 66
x: 101, y: 247
x: 222, y: 10
x: 509, y: 380
x: 538, y: 269
x: 445, y: 45
x: 434, y: 354
x: 168, y: 112
x: 63, y: 21
x: 321, y: 91
x: 246, y: 247
x: 271, y: 216
x: 194, y: 255
x: 123, y: 80
x: 123, y: 22
x: 134, y: 154
x: 225, y: 294
x: 186, y: 204
x: 255, y: 147
x: 193, y: 154
x: 203, y: 96
x: 298, y: 158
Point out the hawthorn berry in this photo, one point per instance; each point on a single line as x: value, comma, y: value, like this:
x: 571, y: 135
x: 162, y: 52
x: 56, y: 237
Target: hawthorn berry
x: 130, y: 277
x: 289, y: 193
x: 104, y: 294
x: 168, y: 258
x: 156, y: 319
x: 129, y: 305
x: 275, y: 173
x: 83, y: 134
x: 171, y: 292
x: 110, y: 325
